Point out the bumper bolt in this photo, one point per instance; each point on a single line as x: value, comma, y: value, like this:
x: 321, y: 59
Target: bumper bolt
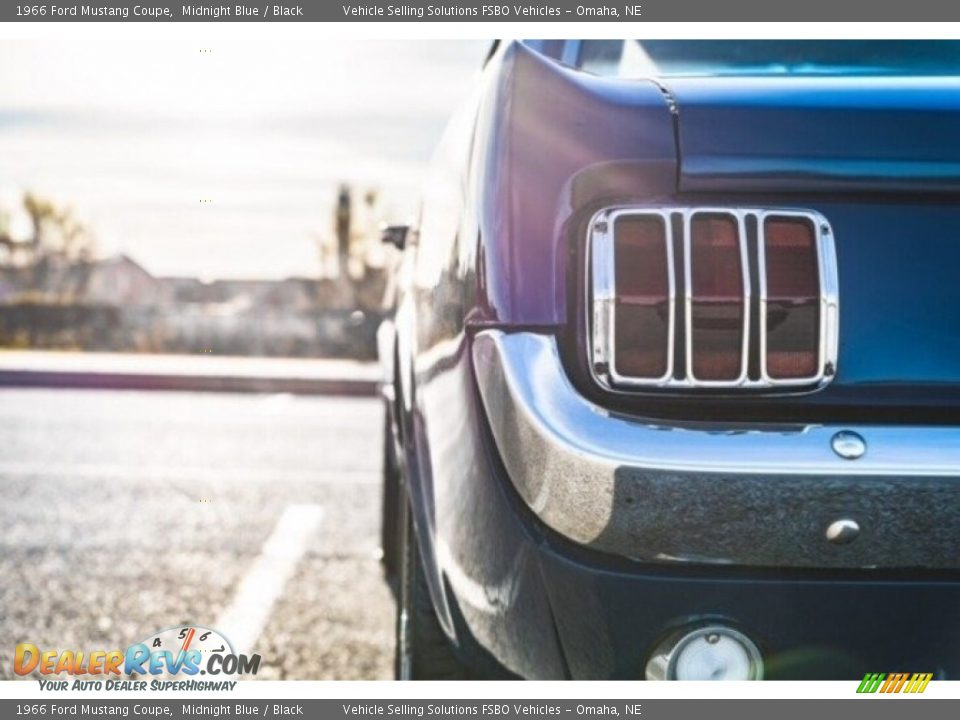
x: 843, y: 532
x: 848, y: 445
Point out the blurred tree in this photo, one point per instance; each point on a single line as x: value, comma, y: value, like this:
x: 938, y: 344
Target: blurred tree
x: 356, y: 283
x: 6, y: 239
x: 43, y: 215
x: 342, y: 222
x: 54, y: 233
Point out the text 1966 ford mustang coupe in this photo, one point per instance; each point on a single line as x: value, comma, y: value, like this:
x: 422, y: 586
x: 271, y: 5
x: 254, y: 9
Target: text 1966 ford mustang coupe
x: 673, y: 382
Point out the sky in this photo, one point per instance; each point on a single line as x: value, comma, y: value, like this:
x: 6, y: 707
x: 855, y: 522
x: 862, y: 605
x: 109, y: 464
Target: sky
x: 132, y: 136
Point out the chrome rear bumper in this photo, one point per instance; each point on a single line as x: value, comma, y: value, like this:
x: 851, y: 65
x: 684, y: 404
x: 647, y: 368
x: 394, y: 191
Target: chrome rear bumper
x: 761, y: 495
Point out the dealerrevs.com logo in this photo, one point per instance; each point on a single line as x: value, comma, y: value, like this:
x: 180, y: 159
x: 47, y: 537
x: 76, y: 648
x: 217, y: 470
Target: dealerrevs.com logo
x: 172, y: 659
x: 887, y: 683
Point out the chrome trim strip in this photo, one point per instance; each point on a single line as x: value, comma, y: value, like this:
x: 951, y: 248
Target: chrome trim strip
x: 675, y: 492
x: 737, y: 216
x: 601, y: 300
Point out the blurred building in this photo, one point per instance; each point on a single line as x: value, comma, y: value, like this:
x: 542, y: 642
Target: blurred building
x: 115, y: 304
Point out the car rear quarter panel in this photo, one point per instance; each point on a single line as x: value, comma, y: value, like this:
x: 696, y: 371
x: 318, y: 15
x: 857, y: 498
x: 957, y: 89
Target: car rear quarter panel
x: 528, y: 148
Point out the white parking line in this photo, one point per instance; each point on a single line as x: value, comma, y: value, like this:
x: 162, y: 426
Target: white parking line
x: 244, y: 619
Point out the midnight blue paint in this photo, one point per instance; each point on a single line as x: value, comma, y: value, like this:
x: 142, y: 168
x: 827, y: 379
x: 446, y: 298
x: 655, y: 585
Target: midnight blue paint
x: 879, y: 157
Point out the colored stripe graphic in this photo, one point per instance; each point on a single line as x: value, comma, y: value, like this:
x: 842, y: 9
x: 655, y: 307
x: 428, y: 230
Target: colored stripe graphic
x: 894, y: 683
x: 871, y: 682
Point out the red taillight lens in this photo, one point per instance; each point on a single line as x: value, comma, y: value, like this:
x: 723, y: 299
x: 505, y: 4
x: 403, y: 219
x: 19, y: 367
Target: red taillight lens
x: 642, y: 276
x: 793, y: 298
x: 718, y: 300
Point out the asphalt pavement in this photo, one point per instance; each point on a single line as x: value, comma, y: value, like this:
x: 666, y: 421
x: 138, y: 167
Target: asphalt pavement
x: 125, y: 512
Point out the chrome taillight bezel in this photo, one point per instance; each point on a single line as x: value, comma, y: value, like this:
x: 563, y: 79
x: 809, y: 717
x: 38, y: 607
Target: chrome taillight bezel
x: 601, y: 299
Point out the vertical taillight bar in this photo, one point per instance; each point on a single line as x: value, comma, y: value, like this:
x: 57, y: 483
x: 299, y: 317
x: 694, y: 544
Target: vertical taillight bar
x: 643, y: 314
x: 792, y: 323
x: 717, y: 298
x: 632, y: 297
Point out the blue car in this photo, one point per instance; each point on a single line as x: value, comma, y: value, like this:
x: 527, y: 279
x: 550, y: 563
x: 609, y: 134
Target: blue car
x: 672, y: 384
